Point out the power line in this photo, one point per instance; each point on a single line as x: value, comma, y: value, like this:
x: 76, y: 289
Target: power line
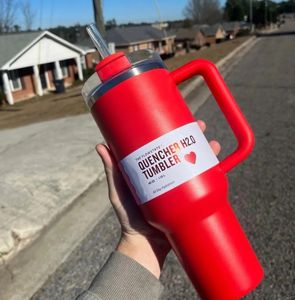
x: 41, y: 14
x: 51, y: 13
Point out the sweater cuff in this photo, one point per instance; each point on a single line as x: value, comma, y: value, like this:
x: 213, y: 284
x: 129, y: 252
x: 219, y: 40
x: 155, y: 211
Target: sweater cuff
x: 123, y: 278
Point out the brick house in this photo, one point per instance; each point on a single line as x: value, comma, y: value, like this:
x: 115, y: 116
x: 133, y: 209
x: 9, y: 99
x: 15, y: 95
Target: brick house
x: 187, y: 38
x: 231, y: 29
x: 91, y: 56
x: 132, y: 38
x: 31, y: 62
x: 214, y: 33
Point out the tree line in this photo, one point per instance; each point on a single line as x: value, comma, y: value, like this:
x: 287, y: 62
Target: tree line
x: 261, y: 12
x: 195, y: 12
x: 211, y: 12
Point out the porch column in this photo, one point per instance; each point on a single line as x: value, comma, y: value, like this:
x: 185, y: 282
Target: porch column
x: 83, y: 62
x: 78, y: 63
x: 7, y: 89
x: 58, y: 72
x: 37, y: 81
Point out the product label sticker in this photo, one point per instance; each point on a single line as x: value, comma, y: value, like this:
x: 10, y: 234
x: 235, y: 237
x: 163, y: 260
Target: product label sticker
x: 168, y: 161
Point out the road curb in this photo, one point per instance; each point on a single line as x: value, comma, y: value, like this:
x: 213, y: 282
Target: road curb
x: 35, y: 263
x: 26, y: 273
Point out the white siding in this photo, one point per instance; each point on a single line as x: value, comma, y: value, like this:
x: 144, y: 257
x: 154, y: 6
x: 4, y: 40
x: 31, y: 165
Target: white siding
x: 45, y: 51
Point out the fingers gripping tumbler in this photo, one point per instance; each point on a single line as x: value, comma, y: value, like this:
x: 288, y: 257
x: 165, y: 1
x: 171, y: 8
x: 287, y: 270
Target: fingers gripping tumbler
x: 176, y: 179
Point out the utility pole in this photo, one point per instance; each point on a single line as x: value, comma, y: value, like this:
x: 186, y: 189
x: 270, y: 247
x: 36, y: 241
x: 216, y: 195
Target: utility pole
x: 160, y: 18
x: 98, y: 16
x: 251, y: 16
x: 265, y: 13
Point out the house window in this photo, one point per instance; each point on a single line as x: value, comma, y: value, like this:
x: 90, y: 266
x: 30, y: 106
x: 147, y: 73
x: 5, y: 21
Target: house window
x: 15, y: 81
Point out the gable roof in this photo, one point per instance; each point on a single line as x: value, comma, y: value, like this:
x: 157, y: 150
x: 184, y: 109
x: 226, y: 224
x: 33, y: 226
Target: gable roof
x: 84, y: 41
x: 244, y: 25
x: 13, y: 45
x: 122, y: 36
x: 85, y: 48
x: 210, y: 30
x: 230, y: 26
x: 187, y: 33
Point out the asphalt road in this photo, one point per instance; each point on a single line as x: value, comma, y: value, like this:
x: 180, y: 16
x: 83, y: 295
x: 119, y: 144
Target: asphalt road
x: 261, y: 189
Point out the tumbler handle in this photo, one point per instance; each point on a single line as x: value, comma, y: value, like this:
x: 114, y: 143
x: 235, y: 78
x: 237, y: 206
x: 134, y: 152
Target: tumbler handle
x: 227, y: 104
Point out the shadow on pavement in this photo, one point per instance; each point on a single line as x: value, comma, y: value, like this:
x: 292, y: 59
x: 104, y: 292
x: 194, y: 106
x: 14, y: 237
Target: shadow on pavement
x: 270, y: 34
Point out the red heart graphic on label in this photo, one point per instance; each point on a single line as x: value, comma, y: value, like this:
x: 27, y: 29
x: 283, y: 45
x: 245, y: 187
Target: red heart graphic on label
x: 191, y: 157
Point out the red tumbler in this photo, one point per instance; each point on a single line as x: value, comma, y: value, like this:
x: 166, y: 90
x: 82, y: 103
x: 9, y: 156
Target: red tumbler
x: 177, y: 181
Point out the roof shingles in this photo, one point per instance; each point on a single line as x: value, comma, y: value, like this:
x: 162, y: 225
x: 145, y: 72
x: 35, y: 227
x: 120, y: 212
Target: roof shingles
x: 12, y: 44
x: 129, y: 35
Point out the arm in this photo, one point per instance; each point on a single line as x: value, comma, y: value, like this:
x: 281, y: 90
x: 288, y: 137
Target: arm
x: 123, y: 278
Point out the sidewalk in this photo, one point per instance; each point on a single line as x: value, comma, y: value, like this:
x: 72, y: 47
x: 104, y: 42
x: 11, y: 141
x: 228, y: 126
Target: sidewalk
x: 44, y: 167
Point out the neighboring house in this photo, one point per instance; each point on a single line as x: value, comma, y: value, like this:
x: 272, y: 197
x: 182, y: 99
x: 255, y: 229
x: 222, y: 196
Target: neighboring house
x: 91, y: 55
x: 231, y: 29
x: 214, y: 33
x: 160, y: 25
x: 129, y: 39
x: 31, y: 62
x: 189, y: 38
x: 245, y: 26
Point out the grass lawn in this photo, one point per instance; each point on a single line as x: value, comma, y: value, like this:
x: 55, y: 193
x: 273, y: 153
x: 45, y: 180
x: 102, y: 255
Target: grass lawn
x: 53, y: 106
x: 213, y: 53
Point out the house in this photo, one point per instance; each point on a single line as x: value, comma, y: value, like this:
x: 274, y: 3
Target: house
x: 83, y: 41
x: 189, y: 38
x: 30, y: 64
x: 132, y: 38
x: 231, y: 29
x: 244, y: 26
x: 91, y: 57
x: 213, y: 33
x: 160, y: 25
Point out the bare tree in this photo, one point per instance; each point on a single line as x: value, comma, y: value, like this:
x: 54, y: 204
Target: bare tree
x: 28, y: 14
x: 7, y: 13
x: 203, y: 11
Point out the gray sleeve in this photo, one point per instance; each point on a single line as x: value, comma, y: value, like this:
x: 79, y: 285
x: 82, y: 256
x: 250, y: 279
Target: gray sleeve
x: 123, y: 278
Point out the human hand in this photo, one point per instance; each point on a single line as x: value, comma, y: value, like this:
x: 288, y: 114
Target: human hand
x: 139, y: 240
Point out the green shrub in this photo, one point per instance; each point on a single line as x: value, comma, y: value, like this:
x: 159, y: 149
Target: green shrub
x: 87, y: 73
